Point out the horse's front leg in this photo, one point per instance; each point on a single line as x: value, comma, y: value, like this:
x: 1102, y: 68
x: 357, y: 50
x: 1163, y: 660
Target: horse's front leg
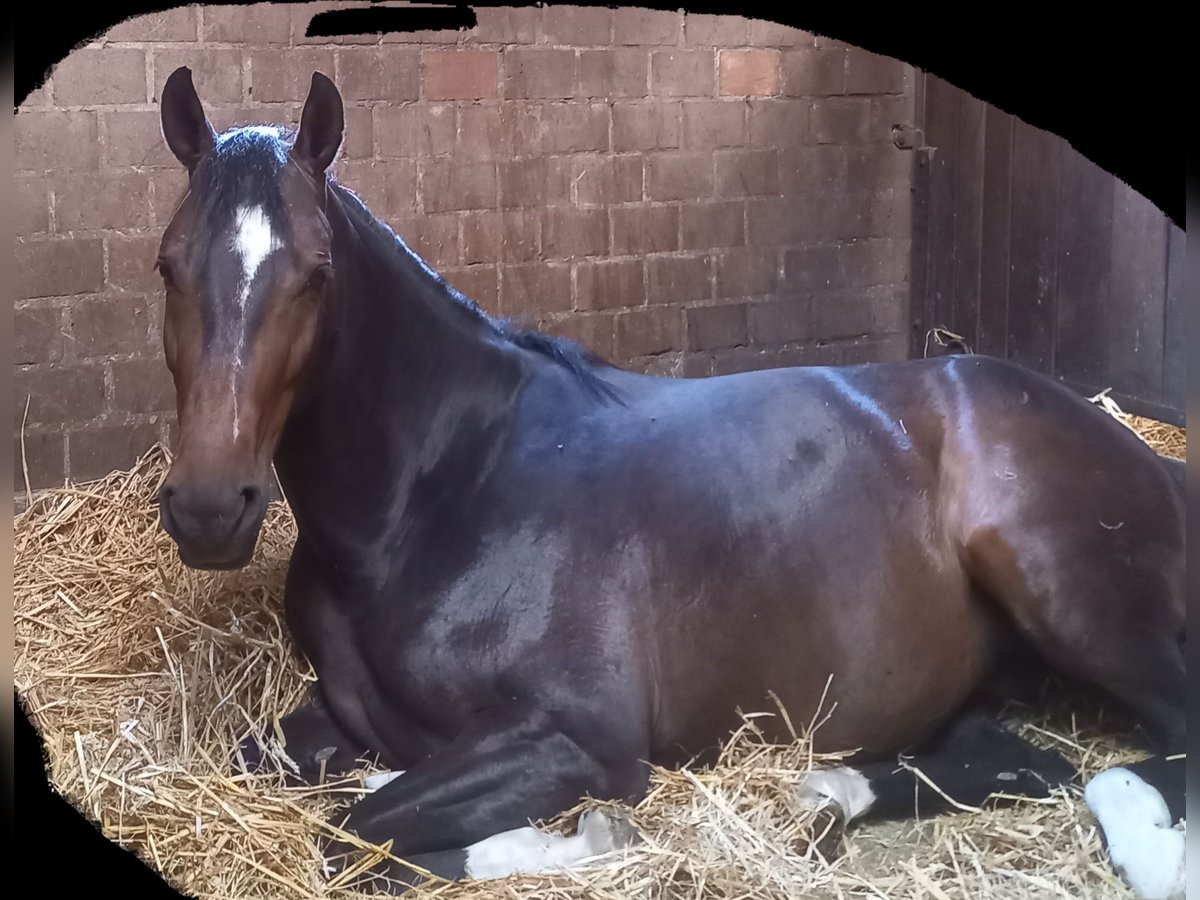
x: 312, y: 741
x: 467, y: 811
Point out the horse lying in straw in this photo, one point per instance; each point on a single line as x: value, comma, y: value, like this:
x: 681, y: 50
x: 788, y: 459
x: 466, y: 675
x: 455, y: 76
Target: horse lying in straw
x: 522, y: 574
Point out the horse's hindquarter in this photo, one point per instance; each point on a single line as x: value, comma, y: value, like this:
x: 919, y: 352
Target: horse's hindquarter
x: 772, y: 530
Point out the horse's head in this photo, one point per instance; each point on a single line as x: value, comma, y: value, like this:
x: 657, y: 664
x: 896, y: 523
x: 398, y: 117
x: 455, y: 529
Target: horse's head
x: 246, y: 265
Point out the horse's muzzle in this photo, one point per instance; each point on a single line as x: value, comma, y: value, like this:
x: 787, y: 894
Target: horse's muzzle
x: 214, y: 528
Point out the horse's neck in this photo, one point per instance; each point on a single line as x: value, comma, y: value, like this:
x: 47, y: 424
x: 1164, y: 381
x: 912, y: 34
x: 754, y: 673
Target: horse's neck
x: 402, y: 379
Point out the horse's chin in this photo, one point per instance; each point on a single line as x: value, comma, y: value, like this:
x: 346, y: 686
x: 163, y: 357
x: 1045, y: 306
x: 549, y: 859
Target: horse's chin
x: 209, y: 560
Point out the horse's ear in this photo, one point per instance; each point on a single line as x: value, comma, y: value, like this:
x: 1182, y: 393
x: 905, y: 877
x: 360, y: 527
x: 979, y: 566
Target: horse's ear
x: 185, y: 128
x: 321, y: 126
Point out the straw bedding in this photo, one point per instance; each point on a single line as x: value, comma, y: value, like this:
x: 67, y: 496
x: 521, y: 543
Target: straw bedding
x: 141, y: 675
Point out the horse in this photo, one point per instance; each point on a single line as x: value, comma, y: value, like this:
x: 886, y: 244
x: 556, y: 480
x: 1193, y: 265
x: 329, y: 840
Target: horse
x: 524, y: 575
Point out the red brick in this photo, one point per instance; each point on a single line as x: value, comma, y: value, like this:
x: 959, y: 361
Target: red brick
x: 416, y: 129
x: 131, y: 263
x: 505, y: 25
x: 286, y: 75
x: 714, y: 123
x: 134, y: 138
x: 647, y: 332
x: 38, y: 98
x: 568, y: 232
x: 56, y: 140
x: 747, y: 273
x: 217, y: 74
x: 224, y: 117
x: 878, y: 166
x: 746, y: 73
x: 110, y: 199
x: 571, y: 127
x: 679, y: 176
x: 585, y: 26
x: 594, y: 332
x: 805, y: 170
x: 389, y: 189
x: 659, y: 27
x: 538, y: 74
x: 778, y: 123
x: 645, y: 126
x: 56, y: 268
x: 765, y: 33
x: 781, y: 321
x: 449, y: 185
x: 440, y: 36
x: 359, y: 137
x: 142, y: 386
x: 535, y: 287
x: 888, y: 113
x: 461, y: 74
x: 841, y: 120
x: 378, y: 73
x: 815, y: 268
x: 32, y: 205
x: 606, y: 179
x: 697, y: 365
x: 498, y: 132
x: 501, y: 236
x: 178, y: 24
x: 541, y: 181
x: 870, y: 73
x: 255, y: 23
x: 678, y: 279
x: 744, y: 173
x: 45, y: 458
x: 703, y: 30
x: 637, y: 230
x: 434, y: 238
x: 778, y: 221
x: 704, y: 226
x: 37, y: 335
x: 682, y: 73
x: 717, y: 327
x: 98, y: 452
x: 610, y: 283
x: 166, y: 190
x: 57, y: 395
x: 613, y: 73
x: 842, y: 316
x: 109, y: 75
x: 814, y: 73
x: 111, y: 326
x: 479, y: 283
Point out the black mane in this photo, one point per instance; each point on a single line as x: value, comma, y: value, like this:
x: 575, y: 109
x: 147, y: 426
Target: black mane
x: 572, y: 356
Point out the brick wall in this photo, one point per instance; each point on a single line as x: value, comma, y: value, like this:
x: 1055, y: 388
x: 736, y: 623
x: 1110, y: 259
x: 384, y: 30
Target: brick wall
x: 687, y: 194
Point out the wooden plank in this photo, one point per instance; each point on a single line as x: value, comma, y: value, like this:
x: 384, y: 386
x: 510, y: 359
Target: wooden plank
x: 1033, y: 247
x: 968, y: 219
x: 1174, y: 343
x: 943, y: 103
x: 1139, y: 283
x: 994, y: 233
x: 920, y: 309
x: 1084, y: 269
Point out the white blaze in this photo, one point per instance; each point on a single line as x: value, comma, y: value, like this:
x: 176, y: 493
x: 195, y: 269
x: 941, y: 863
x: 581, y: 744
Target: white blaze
x: 253, y: 241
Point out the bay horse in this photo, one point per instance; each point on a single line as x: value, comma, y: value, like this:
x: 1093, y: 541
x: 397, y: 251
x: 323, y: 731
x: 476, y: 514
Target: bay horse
x: 522, y: 574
